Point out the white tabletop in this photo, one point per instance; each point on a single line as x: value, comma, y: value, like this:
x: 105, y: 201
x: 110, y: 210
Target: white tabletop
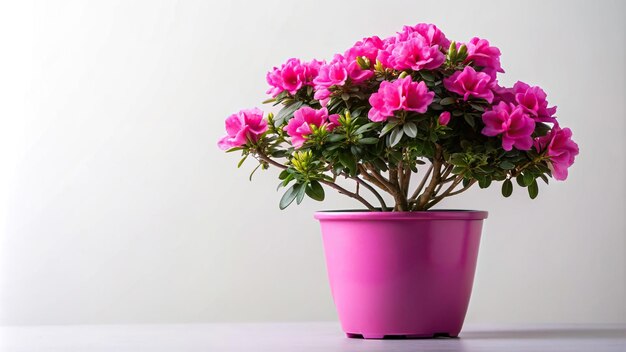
x: 302, y: 337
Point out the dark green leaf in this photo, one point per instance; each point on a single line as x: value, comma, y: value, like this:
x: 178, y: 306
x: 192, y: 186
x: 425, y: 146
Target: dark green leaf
x: 288, y: 197
x: 410, y: 129
x: 469, y: 119
x: 336, y: 138
x: 484, y: 182
x: 506, y: 165
x: 447, y: 101
x: 283, y: 175
x: 368, y: 140
x: 528, y: 179
x: 286, y: 113
x: 533, y: 189
x: 477, y: 107
x: 315, y: 191
x: 507, y: 188
x: 520, y: 180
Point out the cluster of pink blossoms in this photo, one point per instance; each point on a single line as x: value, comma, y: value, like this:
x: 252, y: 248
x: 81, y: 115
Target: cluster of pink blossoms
x: 305, y: 120
x: 401, y: 94
x: 511, y: 114
x: 292, y: 75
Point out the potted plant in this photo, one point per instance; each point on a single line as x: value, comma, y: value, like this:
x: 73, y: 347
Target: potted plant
x: 411, y: 120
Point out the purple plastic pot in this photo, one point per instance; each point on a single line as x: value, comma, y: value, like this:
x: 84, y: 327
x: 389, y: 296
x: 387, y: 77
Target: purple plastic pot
x: 401, y: 273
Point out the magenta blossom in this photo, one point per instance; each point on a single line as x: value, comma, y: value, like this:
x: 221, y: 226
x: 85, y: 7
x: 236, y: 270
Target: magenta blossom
x: 512, y: 123
x: 337, y: 73
x: 292, y: 76
x: 241, y: 127
x: 430, y: 32
x: 367, y: 47
x: 470, y: 83
x: 561, y: 149
x: 401, y: 94
x: 483, y: 55
x: 533, y: 100
x: 444, y: 118
x: 415, y: 53
x: 300, y: 126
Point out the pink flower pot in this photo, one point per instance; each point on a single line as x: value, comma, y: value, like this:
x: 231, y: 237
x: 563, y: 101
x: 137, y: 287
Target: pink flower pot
x: 404, y: 274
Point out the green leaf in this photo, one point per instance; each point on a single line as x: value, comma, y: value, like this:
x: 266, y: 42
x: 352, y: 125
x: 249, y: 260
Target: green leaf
x: 301, y: 191
x: 349, y: 161
x: 288, y: 197
x: 533, y: 189
x: 253, y: 171
x: 410, y: 129
x: 447, y: 101
x: 283, y: 174
x: 520, y: 180
x: 396, y: 136
x: 427, y: 76
x: 368, y: 140
x: 544, y: 178
x: 507, y: 188
x: 267, y: 101
x: 388, y: 127
x: 506, y: 165
x: 477, y: 107
x: 470, y: 120
x: 365, y: 128
x: 286, y: 112
x: 315, y: 191
x: 484, y: 182
x: 234, y: 149
x: 242, y: 160
x: 528, y: 179
x: 458, y: 159
x: 336, y: 138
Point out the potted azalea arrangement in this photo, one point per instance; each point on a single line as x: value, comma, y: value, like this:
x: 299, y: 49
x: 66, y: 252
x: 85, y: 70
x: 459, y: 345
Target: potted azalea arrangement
x: 410, y: 120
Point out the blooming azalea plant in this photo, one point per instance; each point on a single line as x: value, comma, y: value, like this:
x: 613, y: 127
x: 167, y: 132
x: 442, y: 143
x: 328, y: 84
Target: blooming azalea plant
x: 389, y: 109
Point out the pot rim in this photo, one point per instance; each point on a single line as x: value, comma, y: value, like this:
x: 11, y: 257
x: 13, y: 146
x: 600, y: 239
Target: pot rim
x: 443, y: 214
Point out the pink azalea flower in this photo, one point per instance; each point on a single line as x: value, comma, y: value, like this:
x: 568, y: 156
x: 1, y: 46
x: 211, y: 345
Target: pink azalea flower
x: 561, y: 149
x: 483, y: 55
x: 292, y: 76
x: 504, y: 94
x: 337, y: 73
x: 428, y: 31
x: 241, y: 127
x: 299, y: 127
x: 533, y: 100
x: 401, y: 94
x: 415, y: 53
x: 470, y: 83
x: 367, y: 47
x: 444, y: 118
x: 512, y: 124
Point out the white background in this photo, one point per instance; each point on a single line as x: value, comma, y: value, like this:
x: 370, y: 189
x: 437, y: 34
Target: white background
x: 116, y: 206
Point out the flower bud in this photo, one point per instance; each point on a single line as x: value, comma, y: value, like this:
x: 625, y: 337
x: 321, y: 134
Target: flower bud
x: 364, y: 62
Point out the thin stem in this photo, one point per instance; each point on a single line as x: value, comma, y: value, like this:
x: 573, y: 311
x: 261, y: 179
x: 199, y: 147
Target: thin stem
x: 421, y: 184
x: 449, y: 193
x: 374, y: 192
x: 328, y: 183
x: 423, y: 199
